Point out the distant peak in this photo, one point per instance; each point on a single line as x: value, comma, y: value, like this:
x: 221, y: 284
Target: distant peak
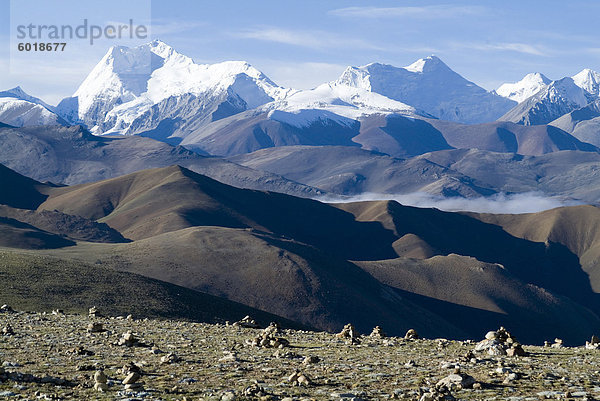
x: 426, y: 64
x: 17, y: 91
x: 537, y: 76
x: 587, y: 71
x: 586, y: 74
x: 157, y: 46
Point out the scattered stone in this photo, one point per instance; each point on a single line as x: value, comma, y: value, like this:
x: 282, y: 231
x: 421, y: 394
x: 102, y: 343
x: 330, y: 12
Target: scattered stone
x: 299, y: 379
x: 411, y: 334
x: 130, y: 368
x: 228, y: 396
x: 80, y: 351
x: 310, y: 360
x: 247, y: 322
x: 95, y: 327
x: 229, y: 356
x: 254, y: 390
x: 436, y: 394
x: 457, y: 381
x: 169, y: 358
x: 8, y: 330
x: 6, y: 309
x: 377, y: 332
x: 286, y: 354
x: 558, y: 343
x: 469, y: 357
x: 510, y: 378
x: 58, y: 312
x: 349, y: 334
x: 155, y: 350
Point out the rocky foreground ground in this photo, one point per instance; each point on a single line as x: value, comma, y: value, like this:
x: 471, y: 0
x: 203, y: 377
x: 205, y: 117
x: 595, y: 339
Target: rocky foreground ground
x: 58, y: 356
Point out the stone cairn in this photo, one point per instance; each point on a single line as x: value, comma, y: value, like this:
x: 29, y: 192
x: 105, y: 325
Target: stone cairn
x: 377, y: 332
x: 499, y: 343
x: 129, y: 339
x: 100, y: 381
x: 93, y: 312
x: 299, y: 379
x: 132, y: 374
x: 411, y: 335
x: 349, y: 334
x: 268, y: 338
x: 594, y: 343
x: 247, y: 322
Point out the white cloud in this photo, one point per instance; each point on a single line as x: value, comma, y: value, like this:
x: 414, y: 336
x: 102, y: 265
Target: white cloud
x: 312, y: 39
x: 524, y: 48
x: 529, y: 202
x: 423, y: 12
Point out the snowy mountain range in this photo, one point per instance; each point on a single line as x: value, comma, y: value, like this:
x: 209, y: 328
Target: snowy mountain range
x: 430, y: 85
x: 17, y: 108
x: 541, y: 101
x: 154, y: 91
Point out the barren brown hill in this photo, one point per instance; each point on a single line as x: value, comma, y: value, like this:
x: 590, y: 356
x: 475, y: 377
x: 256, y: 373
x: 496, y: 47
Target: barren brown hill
x: 16, y: 234
x: 157, y: 201
x: 552, y: 266
x: 475, y: 293
x: 370, y: 263
x: 30, y: 282
x: 576, y: 227
x: 18, y: 190
x: 281, y: 276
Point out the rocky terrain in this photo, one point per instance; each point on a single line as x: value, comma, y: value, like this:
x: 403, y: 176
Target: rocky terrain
x: 53, y: 356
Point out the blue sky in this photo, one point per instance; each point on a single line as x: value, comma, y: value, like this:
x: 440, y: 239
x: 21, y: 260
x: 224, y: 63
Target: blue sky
x: 304, y: 43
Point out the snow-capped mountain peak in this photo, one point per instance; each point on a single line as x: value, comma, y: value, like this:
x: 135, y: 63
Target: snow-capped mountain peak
x: 566, y: 90
x: 589, y: 81
x: 19, y: 109
x: 129, y: 82
x: 357, y: 77
x: 427, y: 64
x: 18, y: 93
x: 429, y: 85
x: 531, y: 84
x: 552, y: 101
